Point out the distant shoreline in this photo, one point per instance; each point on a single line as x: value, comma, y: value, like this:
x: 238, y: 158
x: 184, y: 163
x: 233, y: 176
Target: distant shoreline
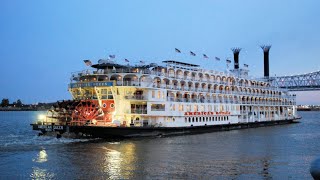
x: 308, y: 109
x: 21, y: 109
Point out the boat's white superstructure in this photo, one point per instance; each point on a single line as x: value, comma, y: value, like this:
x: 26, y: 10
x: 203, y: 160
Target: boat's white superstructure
x: 177, y: 94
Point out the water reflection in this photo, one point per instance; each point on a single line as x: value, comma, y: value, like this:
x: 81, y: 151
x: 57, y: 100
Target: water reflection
x: 38, y: 173
x: 265, y: 172
x: 119, y: 160
x: 112, y: 163
x: 41, y: 157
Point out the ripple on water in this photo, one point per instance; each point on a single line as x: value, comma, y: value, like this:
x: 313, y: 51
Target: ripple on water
x: 20, y: 143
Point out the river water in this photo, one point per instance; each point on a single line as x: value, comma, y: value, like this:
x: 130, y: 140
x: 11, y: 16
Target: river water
x: 278, y: 152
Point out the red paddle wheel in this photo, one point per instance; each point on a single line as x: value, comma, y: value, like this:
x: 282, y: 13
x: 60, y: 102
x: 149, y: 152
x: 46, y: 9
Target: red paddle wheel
x: 85, y: 111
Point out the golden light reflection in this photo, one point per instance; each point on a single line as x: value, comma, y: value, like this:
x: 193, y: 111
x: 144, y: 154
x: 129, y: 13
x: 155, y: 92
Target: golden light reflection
x: 119, y: 163
x: 38, y: 173
x: 42, y: 156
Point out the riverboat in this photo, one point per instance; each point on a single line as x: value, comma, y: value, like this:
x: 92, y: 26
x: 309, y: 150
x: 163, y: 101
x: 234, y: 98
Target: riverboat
x: 122, y: 100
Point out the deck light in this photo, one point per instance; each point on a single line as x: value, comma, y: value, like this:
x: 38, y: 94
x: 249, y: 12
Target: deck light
x: 41, y: 116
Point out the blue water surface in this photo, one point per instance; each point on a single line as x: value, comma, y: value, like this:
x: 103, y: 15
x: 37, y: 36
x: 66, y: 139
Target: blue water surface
x: 278, y: 152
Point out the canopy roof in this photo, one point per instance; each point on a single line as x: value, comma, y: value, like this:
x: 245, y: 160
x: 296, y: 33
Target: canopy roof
x: 180, y: 63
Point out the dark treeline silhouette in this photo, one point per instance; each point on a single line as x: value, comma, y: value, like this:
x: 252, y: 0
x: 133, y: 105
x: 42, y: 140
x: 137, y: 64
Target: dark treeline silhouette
x: 17, y: 105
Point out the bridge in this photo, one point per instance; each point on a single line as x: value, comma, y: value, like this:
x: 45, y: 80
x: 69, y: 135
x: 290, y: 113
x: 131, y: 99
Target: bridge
x: 302, y: 82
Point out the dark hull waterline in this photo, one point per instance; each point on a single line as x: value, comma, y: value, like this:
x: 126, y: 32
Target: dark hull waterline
x: 127, y: 132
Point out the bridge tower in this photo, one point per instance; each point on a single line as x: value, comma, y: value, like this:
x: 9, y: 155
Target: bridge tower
x: 266, y: 49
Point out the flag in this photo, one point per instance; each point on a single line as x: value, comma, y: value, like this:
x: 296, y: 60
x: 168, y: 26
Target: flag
x: 218, y: 59
x: 205, y: 56
x: 112, y: 56
x: 87, y: 62
x: 192, y: 53
x: 177, y: 50
x: 228, y: 61
x: 142, y: 62
x: 126, y: 60
x: 246, y: 65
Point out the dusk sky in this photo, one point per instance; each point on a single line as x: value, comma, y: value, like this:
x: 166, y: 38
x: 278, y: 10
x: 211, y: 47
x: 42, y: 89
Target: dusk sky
x: 42, y: 42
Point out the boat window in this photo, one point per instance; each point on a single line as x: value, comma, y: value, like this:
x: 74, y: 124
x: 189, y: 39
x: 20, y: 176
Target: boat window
x: 157, y: 107
x: 216, y: 108
x: 188, y: 108
x: 180, y: 107
x: 195, y: 108
x: 202, y: 108
x: 137, y: 121
x: 172, y: 107
x: 221, y: 107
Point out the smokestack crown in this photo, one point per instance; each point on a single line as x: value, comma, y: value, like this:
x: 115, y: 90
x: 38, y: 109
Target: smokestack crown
x: 266, y: 49
x: 236, y: 52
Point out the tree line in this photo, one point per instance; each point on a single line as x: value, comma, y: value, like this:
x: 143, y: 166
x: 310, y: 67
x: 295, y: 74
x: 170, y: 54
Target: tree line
x: 5, y: 103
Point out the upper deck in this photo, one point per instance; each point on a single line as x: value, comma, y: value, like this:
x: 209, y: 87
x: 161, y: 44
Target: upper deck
x: 179, y: 77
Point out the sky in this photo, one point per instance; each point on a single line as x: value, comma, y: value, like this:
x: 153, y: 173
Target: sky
x: 42, y: 42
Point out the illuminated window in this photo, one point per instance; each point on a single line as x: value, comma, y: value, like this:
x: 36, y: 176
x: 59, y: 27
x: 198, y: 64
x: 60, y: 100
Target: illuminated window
x: 195, y: 108
x: 159, y: 94
x: 153, y: 94
x: 180, y: 107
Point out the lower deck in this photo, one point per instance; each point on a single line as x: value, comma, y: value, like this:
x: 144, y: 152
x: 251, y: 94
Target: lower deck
x: 125, y: 132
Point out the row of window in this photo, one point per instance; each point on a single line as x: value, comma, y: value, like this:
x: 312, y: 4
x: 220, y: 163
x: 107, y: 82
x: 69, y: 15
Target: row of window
x: 202, y: 108
x: 206, y: 119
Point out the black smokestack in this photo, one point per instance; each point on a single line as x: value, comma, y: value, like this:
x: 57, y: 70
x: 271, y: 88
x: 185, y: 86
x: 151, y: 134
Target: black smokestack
x: 266, y: 49
x: 236, y: 52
